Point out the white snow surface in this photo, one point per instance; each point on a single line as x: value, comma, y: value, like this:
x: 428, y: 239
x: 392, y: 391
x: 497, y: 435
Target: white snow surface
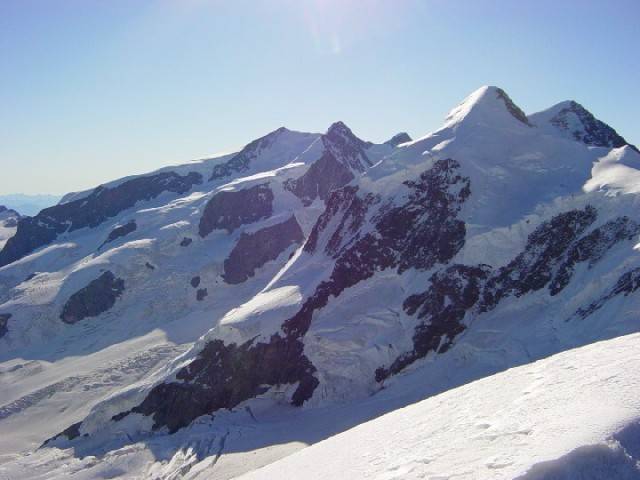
x: 527, y: 422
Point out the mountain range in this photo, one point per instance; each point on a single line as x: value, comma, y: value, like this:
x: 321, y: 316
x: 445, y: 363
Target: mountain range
x: 212, y: 319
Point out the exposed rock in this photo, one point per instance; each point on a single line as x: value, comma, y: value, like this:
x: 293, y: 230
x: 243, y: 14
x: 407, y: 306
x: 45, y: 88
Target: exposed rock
x: 532, y: 269
x: 4, y: 320
x: 69, y: 433
x: 242, y: 160
x: 96, y: 298
x: 149, y: 266
x: 230, y: 209
x: 121, y: 231
x: 592, y: 248
x: 195, y: 281
x: 590, y: 131
x: 186, y: 241
x: 201, y: 294
x: 628, y: 283
x: 253, y: 250
x: 343, y: 154
x: 442, y: 308
x: 397, y: 139
x: 90, y: 211
x: 512, y: 107
x: 222, y: 376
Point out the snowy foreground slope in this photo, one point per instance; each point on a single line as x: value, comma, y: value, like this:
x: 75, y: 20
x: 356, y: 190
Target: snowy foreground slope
x: 214, y: 317
x: 575, y: 415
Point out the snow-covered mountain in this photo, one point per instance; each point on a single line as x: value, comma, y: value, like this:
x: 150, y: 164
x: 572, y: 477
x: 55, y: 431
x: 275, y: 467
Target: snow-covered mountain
x: 287, y: 292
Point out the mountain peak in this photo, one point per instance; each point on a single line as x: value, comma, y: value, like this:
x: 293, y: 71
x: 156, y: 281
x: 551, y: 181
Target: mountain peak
x: 488, y: 105
x: 398, y: 138
x: 571, y: 120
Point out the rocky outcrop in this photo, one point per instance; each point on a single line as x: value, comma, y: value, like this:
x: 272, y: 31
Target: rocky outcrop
x: 4, y: 321
x: 195, y: 281
x: 253, y: 250
x: 120, y: 231
x: 224, y: 375
x: 512, y: 107
x: 90, y: 211
x: 343, y: 154
x: 201, y: 294
x: 442, y: 307
x: 591, y: 131
x: 532, y: 269
x: 397, y: 139
x: 186, y: 241
x: 628, y: 283
x: 243, y: 159
x: 96, y: 298
x: 229, y: 210
x: 592, y: 248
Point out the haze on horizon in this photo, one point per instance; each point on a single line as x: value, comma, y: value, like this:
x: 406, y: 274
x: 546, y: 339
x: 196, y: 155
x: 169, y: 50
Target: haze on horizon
x: 92, y: 91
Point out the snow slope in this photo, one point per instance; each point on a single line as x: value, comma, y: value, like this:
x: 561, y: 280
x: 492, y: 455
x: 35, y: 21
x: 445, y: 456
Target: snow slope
x: 575, y: 415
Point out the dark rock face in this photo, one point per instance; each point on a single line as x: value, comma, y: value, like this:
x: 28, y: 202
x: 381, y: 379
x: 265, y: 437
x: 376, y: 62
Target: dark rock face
x: 4, y: 320
x: 185, y: 242
x: 195, y: 281
x: 628, y: 283
x: 442, y: 307
x: 255, y: 249
x: 229, y: 210
x: 533, y: 268
x: 103, y: 203
x: 343, y: 154
x: 121, y: 231
x: 242, y: 160
x: 97, y: 297
x: 201, y: 294
x: 222, y: 376
x: 592, y: 247
x: 323, y: 176
x: 595, y: 132
x: 149, y: 266
x: 70, y: 433
x: 512, y: 107
x: 397, y: 139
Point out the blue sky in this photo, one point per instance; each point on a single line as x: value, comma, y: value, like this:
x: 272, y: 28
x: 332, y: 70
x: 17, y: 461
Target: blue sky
x: 91, y: 90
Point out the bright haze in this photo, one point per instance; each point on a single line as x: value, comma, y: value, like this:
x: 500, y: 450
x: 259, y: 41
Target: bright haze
x: 95, y: 90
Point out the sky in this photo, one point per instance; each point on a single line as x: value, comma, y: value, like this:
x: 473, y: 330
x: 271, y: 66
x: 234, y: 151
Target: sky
x: 93, y: 90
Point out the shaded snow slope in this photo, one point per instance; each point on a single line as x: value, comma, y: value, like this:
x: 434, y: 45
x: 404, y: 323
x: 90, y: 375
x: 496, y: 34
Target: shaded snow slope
x: 575, y: 415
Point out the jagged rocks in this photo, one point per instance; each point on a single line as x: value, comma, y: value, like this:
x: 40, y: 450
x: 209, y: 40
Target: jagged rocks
x: 230, y: 209
x: 4, y: 321
x: 253, y: 250
x: 186, y: 241
x: 591, y: 131
x: 90, y: 211
x: 442, y: 307
x: 532, y: 269
x: 223, y: 375
x: 121, y: 231
x: 628, y: 283
x: 592, y: 247
x: 512, y: 107
x: 242, y: 160
x: 96, y: 298
x: 195, y: 281
x: 343, y: 154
